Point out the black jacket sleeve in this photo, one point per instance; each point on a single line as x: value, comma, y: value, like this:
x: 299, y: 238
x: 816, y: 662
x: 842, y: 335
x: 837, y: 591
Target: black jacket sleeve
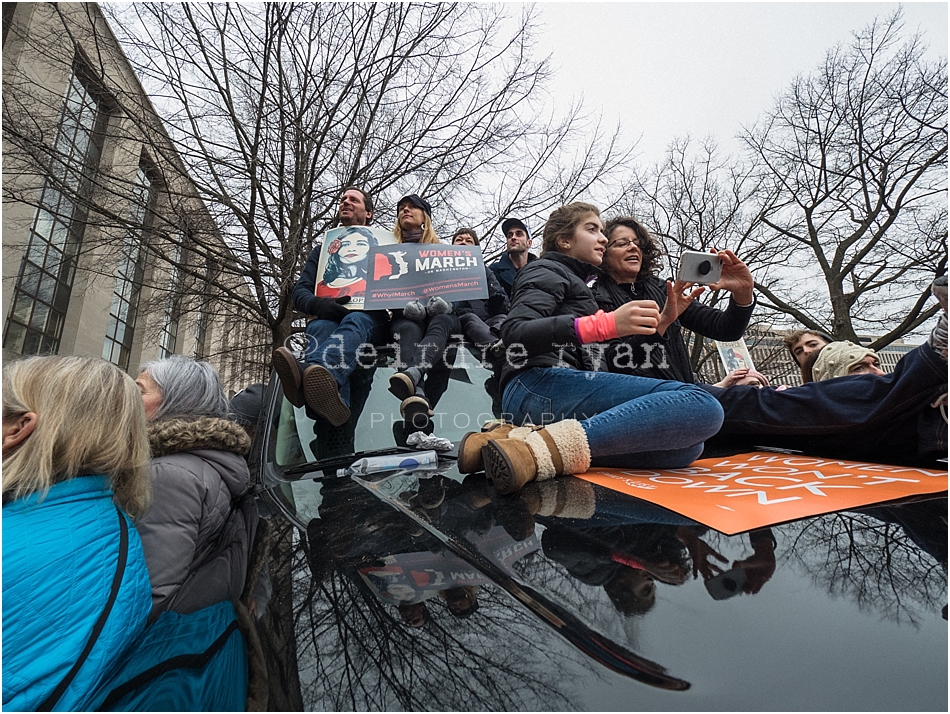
x: 497, y: 303
x: 495, y: 270
x: 729, y: 324
x: 304, y: 297
x: 532, y: 319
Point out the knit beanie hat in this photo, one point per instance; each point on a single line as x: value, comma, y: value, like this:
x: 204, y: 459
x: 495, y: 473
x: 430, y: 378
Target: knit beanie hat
x: 246, y: 405
x: 837, y: 358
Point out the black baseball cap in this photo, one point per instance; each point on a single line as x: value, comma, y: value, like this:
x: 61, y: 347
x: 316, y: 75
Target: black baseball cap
x: 510, y: 223
x: 417, y: 202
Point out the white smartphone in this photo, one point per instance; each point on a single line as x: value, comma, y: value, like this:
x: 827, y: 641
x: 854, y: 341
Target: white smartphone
x: 696, y: 267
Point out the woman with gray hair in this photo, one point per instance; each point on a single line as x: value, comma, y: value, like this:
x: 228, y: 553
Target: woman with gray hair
x: 195, y: 542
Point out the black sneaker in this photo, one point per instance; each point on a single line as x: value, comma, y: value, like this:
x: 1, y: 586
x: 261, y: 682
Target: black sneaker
x: 403, y: 385
x: 415, y: 412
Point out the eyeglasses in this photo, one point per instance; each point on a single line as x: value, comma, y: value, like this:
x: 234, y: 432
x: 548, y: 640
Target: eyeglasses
x: 622, y: 243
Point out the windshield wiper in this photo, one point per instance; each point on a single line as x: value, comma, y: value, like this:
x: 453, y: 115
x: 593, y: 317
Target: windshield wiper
x: 343, y: 461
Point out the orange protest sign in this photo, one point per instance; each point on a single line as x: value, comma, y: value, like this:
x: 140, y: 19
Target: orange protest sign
x: 738, y: 493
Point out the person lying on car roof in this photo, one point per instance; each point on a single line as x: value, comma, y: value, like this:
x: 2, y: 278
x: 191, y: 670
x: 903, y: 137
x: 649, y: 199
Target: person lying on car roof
x: 892, y: 418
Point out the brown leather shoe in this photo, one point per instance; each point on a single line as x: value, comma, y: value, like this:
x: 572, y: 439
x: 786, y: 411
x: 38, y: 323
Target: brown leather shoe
x: 470, y: 447
x: 288, y: 371
x: 403, y: 385
x: 509, y: 464
x: 321, y: 393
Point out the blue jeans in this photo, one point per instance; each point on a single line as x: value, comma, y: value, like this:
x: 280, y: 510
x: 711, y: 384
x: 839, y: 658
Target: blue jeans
x: 336, y: 345
x: 630, y: 421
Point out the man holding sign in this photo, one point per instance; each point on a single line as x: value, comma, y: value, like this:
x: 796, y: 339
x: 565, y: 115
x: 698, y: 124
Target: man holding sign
x: 334, y: 333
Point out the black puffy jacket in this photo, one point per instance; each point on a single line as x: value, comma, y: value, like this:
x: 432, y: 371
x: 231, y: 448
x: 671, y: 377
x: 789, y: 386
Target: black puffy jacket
x: 305, y: 287
x: 548, y: 294
x: 496, y: 304
x: 665, y: 356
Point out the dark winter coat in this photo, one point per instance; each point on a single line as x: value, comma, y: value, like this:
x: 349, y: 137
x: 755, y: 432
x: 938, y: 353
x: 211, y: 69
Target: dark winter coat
x: 549, y: 293
x: 305, y: 290
x: 665, y: 356
x: 496, y: 304
x: 197, y: 536
x: 506, y: 273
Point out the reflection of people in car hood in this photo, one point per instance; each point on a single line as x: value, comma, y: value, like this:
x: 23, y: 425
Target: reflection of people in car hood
x: 462, y: 601
x: 624, y: 560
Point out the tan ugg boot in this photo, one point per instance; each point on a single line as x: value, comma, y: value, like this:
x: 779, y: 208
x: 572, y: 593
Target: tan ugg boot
x: 470, y: 447
x: 536, y: 453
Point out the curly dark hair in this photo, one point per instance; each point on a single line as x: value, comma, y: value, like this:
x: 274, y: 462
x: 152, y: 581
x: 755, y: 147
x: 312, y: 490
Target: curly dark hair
x: 649, y: 247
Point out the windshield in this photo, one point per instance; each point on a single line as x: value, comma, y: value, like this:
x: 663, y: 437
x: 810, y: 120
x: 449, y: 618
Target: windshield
x: 463, y: 396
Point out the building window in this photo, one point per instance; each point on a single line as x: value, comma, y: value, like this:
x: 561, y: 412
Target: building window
x: 45, y: 279
x: 168, y: 342
x: 128, y: 279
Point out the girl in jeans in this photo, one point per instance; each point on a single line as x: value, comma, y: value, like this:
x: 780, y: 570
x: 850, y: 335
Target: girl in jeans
x: 555, y: 376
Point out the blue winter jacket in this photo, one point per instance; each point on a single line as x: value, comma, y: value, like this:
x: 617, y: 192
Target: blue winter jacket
x: 60, y: 556
x: 184, y: 663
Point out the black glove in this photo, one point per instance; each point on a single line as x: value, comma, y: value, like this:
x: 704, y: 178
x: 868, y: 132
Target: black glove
x: 496, y: 304
x: 328, y: 308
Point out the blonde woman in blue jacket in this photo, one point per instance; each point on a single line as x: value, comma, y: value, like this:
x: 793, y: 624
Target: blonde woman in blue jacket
x: 76, y: 592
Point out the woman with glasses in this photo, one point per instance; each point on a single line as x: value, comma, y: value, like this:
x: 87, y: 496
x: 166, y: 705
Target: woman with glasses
x: 567, y: 411
x: 629, y: 272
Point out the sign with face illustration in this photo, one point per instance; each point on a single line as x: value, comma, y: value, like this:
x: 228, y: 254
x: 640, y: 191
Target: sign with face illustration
x: 734, y: 355
x: 739, y: 493
x: 344, y: 262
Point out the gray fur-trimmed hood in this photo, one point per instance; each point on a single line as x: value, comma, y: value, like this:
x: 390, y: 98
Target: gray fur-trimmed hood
x: 172, y: 436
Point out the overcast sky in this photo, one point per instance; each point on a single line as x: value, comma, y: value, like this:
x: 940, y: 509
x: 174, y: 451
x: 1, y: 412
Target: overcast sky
x: 668, y: 69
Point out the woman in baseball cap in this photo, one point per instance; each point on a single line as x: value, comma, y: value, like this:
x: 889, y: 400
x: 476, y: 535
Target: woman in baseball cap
x: 422, y: 330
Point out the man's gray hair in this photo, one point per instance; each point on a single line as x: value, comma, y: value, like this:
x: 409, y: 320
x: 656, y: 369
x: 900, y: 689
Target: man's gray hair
x: 189, y: 388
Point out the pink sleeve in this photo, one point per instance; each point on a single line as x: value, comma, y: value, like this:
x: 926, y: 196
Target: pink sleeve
x: 599, y: 327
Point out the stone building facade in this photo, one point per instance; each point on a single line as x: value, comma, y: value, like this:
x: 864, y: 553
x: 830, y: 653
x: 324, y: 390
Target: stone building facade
x: 99, y: 215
